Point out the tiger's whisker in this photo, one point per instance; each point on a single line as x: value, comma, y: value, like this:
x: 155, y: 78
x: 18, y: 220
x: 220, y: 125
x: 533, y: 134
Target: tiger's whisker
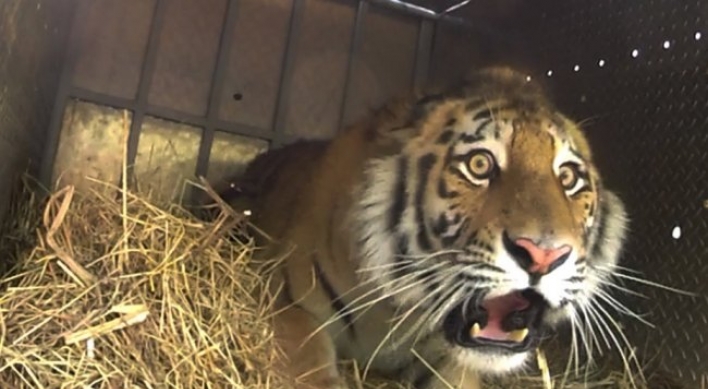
x: 420, y: 277
x: 377, y: 280
x: 619, y: 307
x: 602, y: 315
x: 590, y: 320
x: 656, y: 285
x: 620, y: 288
x: 437, y: 308
x: 390, y: 332
x: 409, y: 260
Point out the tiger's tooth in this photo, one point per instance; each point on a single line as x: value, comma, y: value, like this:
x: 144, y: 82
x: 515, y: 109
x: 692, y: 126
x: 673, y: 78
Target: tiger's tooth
x: 475, y: 330
x: 518, y: 336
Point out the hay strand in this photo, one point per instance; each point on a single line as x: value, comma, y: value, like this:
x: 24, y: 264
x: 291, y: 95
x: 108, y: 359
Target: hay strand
x: 123, y: 293
x: 71, y: 267
x: 129, y: 315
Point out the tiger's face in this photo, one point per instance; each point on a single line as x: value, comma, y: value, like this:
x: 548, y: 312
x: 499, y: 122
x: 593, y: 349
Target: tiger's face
x: 494, y: 224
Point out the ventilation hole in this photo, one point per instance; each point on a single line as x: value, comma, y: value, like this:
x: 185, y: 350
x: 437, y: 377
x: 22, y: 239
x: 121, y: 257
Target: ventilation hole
x: 676, y: 233
x: 237, y: 96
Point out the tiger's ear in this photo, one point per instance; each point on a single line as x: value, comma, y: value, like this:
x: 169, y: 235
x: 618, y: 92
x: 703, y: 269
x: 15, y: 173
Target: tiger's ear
x: 425, y: 104
x: 399, y: 120
x: 401, y: 134
x: 408, y: 126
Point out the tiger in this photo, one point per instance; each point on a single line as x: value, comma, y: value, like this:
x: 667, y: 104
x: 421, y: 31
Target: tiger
x: 435, y: 241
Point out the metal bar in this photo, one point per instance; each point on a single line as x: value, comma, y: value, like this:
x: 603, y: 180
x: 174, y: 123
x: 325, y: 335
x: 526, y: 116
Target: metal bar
x: 423, y: 53
x: 281, y: 108
x: 169, y: 114
x: 450, y: 20
x: 456, y: 6
x: 408, y: 7
x: 146, y: 74
x: 217, y: 88
x: 413, y: 9
x: 200, y: 121
x: 51, y: 142
x: 432, y: 70
x: 362, y: 9
x: 101, y: 98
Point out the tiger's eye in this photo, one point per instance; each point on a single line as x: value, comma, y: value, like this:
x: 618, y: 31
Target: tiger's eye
x: 568, y: 176
x: 481, y: 164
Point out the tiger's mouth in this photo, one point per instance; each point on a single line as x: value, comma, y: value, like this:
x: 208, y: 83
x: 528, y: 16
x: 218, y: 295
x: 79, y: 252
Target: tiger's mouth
x: 507, y: 323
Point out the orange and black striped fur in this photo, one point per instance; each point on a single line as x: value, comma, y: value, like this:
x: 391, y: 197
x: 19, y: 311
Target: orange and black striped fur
x: 445, y: 232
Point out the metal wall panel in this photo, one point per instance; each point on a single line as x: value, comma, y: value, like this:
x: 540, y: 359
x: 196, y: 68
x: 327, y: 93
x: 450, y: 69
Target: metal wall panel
x: 636, y: 74
x: 112, y: 47
x: 255, y: 61
x: 186, y: 55
x: 320, y: 69
x: 385, y: 61
x: 267, y: 71
x: 33, y: 37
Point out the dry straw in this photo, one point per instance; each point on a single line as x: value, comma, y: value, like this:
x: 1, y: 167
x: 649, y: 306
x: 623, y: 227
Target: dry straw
x: 124, y: 294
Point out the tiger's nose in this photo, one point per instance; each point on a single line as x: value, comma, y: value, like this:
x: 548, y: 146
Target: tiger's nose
x: 533, y: 258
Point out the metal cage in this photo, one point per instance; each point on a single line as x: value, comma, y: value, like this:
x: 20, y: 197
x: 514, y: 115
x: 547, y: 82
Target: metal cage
x: 635, y: 73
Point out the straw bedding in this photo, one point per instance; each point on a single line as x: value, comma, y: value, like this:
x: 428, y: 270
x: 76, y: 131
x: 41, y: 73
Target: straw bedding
x: 117, y: 292
x: 123, y: 294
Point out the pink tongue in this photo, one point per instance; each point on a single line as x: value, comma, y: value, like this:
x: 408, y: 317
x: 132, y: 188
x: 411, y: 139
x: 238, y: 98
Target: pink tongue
x: 497, y: 309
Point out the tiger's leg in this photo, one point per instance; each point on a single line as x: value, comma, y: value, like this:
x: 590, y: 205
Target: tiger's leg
x: 313, y: 364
